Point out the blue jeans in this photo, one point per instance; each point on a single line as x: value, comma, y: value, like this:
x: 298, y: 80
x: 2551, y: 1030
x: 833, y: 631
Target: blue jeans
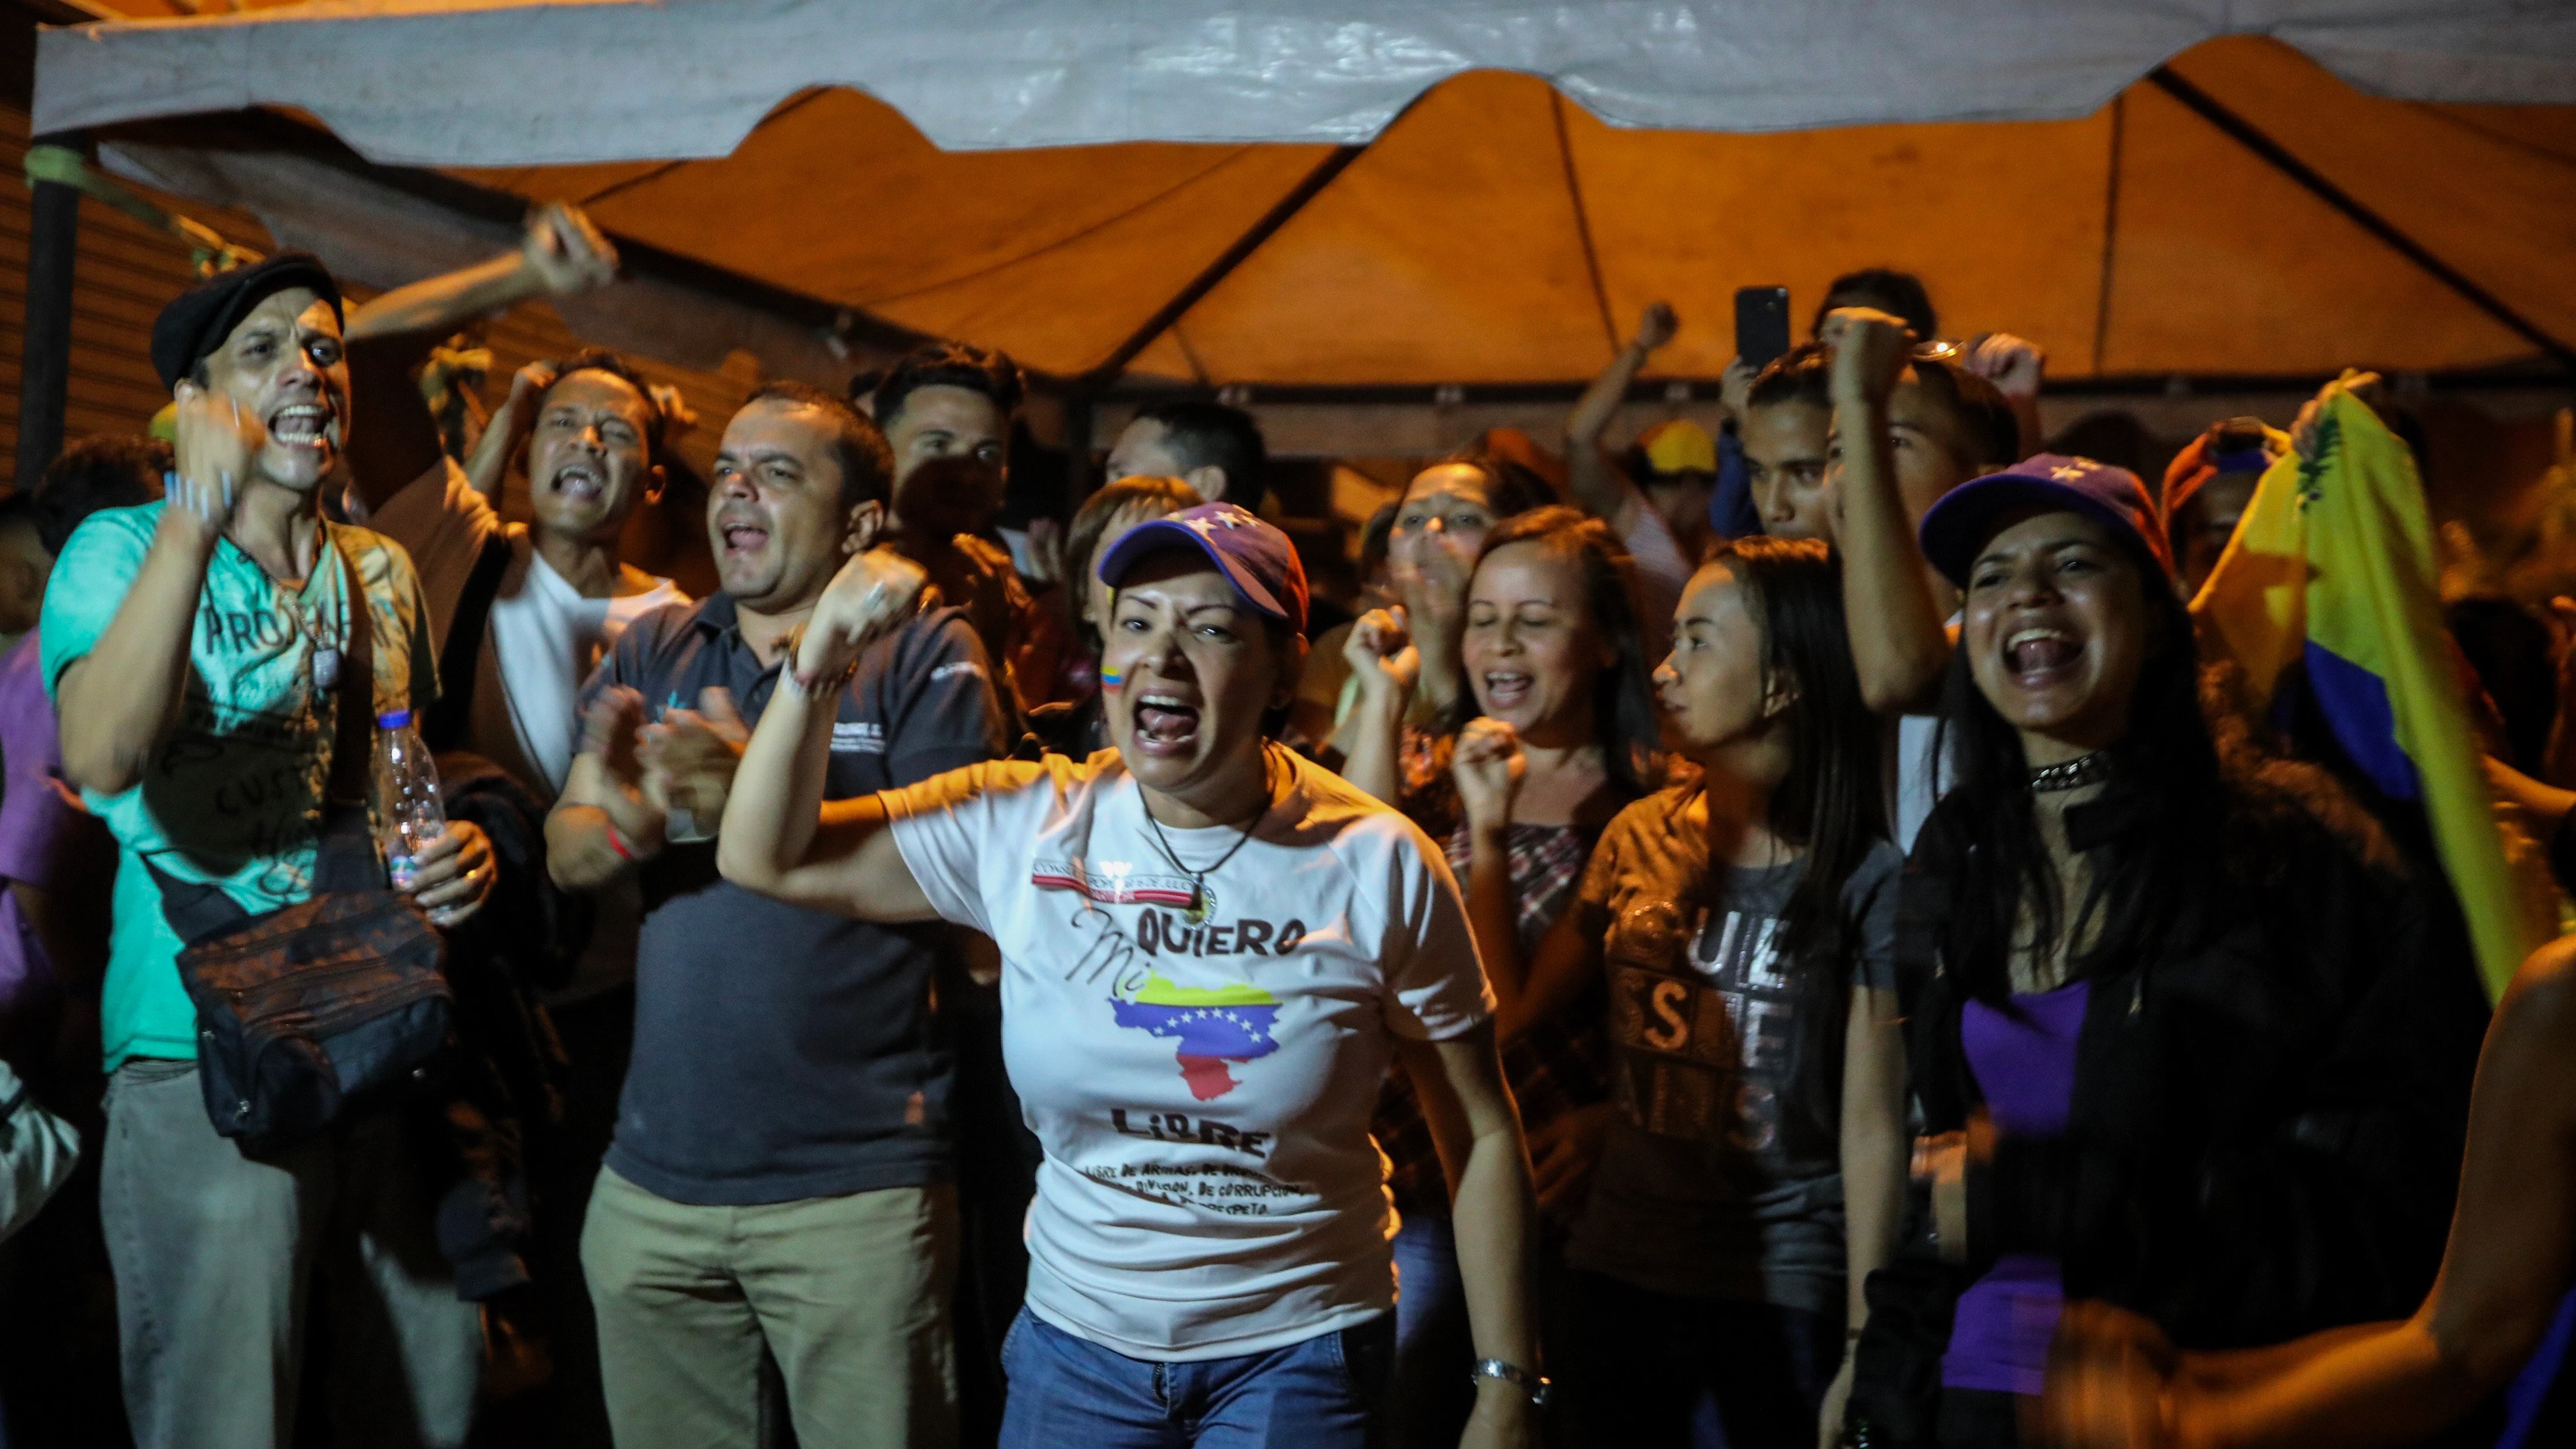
x: 1431, y: 1395
x: 1322, y: 1393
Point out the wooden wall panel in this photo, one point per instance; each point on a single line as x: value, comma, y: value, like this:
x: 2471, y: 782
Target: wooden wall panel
x: 127, y: 271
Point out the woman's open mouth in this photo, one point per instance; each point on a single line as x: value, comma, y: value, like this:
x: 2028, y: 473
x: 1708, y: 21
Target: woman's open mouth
x: 2038, y: 657
x: 1166, y: 724
x: 1507, y: 690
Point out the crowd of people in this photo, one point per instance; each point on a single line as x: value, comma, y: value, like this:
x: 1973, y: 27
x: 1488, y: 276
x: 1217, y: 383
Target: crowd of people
x: 1765, y: 937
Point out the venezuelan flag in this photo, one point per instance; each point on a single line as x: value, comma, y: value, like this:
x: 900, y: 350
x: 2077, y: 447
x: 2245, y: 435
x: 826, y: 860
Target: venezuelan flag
x: 2334, y: 569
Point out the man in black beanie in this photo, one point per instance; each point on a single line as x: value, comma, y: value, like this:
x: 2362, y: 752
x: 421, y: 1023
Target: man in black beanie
x: 195, y: 648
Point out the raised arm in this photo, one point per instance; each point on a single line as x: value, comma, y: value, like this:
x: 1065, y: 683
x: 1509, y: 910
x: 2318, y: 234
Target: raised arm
x: 121, y: 700
x: 2016, y: 366
x: 488, y: 466
x: 779, y: 837
x: 1478, y: 1131
x: 561, y: 255
x: 1388, y: 666
x: 1488, y: 766
x: 1596, y: 483
x: 1898, y: 640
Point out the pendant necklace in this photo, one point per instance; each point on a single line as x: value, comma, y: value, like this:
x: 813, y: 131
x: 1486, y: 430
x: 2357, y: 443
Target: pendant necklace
x: 326, y: 650
x: 1202, y: 904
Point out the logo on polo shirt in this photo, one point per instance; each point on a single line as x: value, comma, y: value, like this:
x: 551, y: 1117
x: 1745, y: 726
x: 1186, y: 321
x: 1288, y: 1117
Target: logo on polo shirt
x: 863, y: 737
x: 1212, y: 1027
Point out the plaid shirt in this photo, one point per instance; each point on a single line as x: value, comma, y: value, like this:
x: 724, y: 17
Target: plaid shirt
x: 1562, y: 1063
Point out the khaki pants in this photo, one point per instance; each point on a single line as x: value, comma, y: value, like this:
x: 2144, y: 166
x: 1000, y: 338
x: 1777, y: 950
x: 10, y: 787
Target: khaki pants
x: 851, y: 1294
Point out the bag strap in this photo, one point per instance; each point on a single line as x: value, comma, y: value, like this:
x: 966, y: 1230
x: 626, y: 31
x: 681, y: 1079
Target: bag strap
x: 345, y: 853
x: 459, y: 661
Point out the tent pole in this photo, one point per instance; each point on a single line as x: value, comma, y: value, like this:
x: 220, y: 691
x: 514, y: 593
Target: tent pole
x: 2253, y: 138
x: 2110, y: 235
x: 44, y: 375
x: 1279, y: 215
x: 1583, y: 222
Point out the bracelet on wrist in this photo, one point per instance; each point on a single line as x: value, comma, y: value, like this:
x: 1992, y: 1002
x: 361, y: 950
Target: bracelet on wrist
x: 1535, y: 1388
x: 820, y: 686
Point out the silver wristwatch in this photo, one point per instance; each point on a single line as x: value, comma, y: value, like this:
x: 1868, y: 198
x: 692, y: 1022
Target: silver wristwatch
x: 1520, y: 1378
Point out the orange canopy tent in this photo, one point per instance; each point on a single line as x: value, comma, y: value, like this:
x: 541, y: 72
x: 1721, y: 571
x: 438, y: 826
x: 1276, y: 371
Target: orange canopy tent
x: 2237, y: 209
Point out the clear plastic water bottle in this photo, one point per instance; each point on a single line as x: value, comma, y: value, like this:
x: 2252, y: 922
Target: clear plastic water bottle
x: 406, y: 796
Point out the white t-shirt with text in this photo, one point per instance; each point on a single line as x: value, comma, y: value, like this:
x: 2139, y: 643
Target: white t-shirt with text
x: 1201, y: 1081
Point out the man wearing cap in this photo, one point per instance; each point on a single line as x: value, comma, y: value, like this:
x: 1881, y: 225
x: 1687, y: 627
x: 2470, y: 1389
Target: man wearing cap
x: 195, y: 649
x: 781, y: 1167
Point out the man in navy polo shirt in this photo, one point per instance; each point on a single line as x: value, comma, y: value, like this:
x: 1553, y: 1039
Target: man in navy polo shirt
x: 780, y: 1171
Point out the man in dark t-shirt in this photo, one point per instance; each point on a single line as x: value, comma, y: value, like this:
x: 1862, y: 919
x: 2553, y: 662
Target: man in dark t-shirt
x: 780, y: 1171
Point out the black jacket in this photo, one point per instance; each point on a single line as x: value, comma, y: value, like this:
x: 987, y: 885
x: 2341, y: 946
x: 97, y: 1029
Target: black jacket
x: 504, y: 1079
x: 2268, y: 1114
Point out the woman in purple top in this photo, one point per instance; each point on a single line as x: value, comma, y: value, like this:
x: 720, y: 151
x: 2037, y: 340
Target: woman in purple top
x: 2186, y: 1036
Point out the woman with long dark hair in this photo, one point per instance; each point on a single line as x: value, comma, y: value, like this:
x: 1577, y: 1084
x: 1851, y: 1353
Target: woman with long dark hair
x: 2184, y: 1036
x: 1743, y: 924
x: 1552, y: 733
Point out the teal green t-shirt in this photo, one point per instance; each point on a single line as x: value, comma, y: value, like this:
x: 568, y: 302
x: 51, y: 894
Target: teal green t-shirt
x: 234, y: 795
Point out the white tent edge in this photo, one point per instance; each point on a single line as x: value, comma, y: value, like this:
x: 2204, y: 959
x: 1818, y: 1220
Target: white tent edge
x: 481, y: 83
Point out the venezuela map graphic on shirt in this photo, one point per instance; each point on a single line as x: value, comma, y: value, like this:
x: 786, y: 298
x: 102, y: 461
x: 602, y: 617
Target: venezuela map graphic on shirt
x: 1227, y: 1024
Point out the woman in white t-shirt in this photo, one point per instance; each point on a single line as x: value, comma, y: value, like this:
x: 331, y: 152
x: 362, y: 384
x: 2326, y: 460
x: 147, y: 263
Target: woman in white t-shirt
x: 1211, y: 950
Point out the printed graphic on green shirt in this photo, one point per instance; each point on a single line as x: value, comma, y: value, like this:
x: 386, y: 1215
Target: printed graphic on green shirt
x: 233, y: 797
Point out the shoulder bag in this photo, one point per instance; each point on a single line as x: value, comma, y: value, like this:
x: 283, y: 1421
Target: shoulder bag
x: 309, y: 1012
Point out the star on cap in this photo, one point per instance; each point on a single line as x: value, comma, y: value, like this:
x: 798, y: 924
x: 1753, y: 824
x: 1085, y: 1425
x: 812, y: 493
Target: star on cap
x: 1204, y: 524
